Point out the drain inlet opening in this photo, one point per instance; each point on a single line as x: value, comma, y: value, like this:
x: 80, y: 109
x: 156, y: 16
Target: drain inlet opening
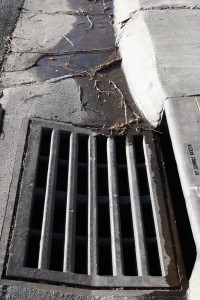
x: 92, y: 214
x: 104, y: 234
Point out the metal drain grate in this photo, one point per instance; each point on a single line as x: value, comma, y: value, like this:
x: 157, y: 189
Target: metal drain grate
x: 91, y: 212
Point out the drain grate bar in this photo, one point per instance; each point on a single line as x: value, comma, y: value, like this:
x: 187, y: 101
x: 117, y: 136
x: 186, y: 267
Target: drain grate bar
x: 114, y: 209
x: 92, y: 209
x: 46, y: 234
x: 69, y: 247
x: 138, y: 226
x: 158, y: 206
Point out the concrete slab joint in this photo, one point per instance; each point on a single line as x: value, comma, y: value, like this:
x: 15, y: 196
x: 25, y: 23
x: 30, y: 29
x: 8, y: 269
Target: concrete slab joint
x: 159, y: 44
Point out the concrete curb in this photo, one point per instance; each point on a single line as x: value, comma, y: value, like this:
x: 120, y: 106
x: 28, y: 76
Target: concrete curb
x: 185, y: 141
x: 159, y: 44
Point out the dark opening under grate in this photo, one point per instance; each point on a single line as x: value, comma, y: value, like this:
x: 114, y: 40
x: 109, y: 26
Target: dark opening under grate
x: 91, y: 211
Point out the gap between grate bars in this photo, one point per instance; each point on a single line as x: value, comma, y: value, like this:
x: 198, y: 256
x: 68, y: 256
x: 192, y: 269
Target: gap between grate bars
x: 92, y: 240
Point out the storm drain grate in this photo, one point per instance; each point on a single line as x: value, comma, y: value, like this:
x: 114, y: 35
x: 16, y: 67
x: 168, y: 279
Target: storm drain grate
x: 91, y: 211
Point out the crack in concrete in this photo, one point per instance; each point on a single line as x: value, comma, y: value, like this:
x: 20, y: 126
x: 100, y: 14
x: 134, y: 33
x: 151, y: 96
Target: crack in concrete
x: 2, y: 115
x: 58, y: 79
x: 66, y: 13
x: 52, y: 80
x: 36, y: 96
x: 171, y: 7
x: 55, y: 53
x: 28, y: 83
x: 157, y: 8
x: 103, y: 129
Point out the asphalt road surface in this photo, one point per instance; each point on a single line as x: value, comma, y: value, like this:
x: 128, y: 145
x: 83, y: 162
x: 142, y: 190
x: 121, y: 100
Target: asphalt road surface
x: 9, y: 12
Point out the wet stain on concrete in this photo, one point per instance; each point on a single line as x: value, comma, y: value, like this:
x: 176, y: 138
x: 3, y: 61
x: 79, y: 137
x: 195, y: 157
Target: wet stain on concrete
x: 104, y: 93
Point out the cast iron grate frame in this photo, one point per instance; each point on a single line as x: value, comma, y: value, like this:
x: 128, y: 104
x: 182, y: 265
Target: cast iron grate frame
x: 168, y: 276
